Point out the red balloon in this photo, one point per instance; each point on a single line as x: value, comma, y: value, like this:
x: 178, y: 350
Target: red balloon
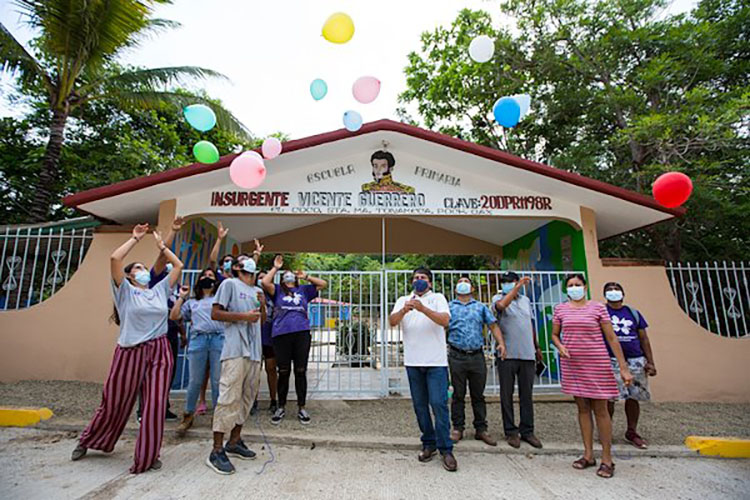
x: 672, y: 189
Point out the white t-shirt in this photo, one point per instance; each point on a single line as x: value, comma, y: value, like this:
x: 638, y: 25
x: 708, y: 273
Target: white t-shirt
x: 143, y: 312
x: 424, y: 340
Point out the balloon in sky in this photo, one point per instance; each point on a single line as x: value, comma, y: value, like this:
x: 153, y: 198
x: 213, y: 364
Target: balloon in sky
x: 352, y: 121
x: 524, y: 101
x: 318, y: 89
x: 338, y: 28
x: 366, y: 89
x: 507, y: 112
x: 200, y: 117
x: 247, y: 171
x: 271, y: 148
x: 482, y: 48
x: 205, y: 152
x: 672, y: 189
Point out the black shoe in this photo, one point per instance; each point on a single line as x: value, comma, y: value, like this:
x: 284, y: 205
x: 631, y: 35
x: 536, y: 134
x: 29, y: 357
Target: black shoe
x: 239, y: 450
x: 219, y: 462
x: 426, y: 454
x: 156, y: 465
x: 78, y: 453
x: 303, y: 416
x: 273, y: 407
x: 254, y: 409
x: 138, y: 417
x: 171, y: 416
x: 278, y: 416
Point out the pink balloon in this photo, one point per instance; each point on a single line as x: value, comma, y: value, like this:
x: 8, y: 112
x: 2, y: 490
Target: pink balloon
x: 253, y: 154
x: 366, y: 89
x: 271, y: 148
x: 247, y: 171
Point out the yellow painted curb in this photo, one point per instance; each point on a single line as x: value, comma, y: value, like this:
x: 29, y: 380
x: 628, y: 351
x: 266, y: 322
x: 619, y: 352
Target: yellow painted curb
x: 719, y: 447
x: 22, y: 417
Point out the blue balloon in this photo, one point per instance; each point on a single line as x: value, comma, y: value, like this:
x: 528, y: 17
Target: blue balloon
x: 352, y: 121
x: 507, y: 112
x: 200, y: 117
x: 318, y: 89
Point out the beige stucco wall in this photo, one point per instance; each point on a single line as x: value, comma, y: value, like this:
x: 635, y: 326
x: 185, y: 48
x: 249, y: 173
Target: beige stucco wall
x: 692, y: 364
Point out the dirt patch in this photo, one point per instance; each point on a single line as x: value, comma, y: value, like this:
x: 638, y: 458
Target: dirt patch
x: 661, y: 423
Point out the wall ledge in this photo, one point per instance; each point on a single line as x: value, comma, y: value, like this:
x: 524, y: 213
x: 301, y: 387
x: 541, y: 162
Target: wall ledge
x: 612, y: 262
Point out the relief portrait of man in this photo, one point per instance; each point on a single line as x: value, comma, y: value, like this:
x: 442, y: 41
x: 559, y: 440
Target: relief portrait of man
x: 383, y: 163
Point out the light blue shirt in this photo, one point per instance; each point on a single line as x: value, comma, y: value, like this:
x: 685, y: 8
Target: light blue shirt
x: 466, y: 325
x: 198, y: 313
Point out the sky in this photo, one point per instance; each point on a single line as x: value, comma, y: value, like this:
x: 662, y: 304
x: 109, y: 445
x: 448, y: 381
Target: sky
x: 271, y: 51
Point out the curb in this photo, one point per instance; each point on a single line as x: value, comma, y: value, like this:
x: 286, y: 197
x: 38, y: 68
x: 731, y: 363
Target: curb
x: 23, y: 417
x: 396, y: 444
x: 725, y: 447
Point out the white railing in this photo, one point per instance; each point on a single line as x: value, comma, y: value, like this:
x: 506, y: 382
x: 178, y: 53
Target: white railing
x: 37, y: 261
x: 715, y: 295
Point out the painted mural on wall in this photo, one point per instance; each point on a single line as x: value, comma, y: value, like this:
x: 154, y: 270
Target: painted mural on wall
x: 194, y: 242
x: 556, y: 246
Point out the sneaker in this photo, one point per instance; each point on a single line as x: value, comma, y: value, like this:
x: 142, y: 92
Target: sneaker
x: 254, y: 409
x: 201, y: 410
x: 187, y: 423
x: 171, y: 416
x: 303, y: 416
x: 239, y: 450
x: 78, y: 453
x: 273, y: 407
x: 219, y: 462
x: 278, y: 415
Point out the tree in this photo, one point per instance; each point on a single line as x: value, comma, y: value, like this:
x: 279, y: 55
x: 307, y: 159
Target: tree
x: 71, y: 64
x: 619, y: 94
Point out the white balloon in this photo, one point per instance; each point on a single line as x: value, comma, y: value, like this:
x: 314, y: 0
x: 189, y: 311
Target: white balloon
x: 524, y: 101
x: 482, y: 48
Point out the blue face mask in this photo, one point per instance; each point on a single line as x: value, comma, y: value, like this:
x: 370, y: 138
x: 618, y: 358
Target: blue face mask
x: 420, y: 286
x: 463, y: 288
x: 143, y: 277
x: 614, y: 295
x: 169, y: 267
x: 576, y: 292
x: 508, y: 287
x: 228, y: 266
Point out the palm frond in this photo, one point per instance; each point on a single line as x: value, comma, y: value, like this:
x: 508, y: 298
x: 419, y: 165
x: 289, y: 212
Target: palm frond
x: 15, y: 58
x: 152, y: 98
x: 155, y: 77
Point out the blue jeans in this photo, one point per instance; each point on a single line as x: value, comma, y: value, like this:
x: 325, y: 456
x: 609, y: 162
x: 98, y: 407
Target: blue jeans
x: 429, y: 389
x: 203, y: 348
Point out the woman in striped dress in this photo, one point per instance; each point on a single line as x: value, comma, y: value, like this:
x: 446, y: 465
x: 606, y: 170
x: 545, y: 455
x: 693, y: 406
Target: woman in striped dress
x: 586, y: 369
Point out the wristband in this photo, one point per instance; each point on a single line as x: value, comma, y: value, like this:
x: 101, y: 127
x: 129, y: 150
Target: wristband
x: 136, y: 239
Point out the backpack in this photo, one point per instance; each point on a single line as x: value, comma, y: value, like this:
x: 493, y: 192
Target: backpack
x: 636, y: 316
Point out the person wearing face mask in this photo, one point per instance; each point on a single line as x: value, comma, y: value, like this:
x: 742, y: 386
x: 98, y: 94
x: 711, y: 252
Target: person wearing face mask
x: 291, y: 333
x: 586, y: 369
x: 466, y: 359
x: 142, y: 361
x: 223, y: 267
x: 515, y: 316
x: 241, y: 306
x: 423, y: 316
x: 206, y: 341
x: 630, y: 327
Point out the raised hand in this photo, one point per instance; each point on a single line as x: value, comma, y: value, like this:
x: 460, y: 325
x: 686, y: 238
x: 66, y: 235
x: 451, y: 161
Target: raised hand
x: 258, y: 246
x: 300, y: 274
x: 159, y: 241
x: 177, y: 223
x: 278, y: 262
x: 140, y: 230
x: 184, y: 292
x: 524, y: 281
x: 223, y: 231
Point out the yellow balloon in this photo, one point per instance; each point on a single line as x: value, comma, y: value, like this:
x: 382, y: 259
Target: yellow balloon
x: 339, y: 28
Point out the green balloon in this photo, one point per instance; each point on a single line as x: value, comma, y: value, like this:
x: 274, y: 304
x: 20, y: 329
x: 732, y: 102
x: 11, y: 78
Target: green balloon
x: 205, y: 152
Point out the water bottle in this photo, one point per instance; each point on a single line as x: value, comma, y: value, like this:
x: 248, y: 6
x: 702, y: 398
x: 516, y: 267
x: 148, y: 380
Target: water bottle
x: 450, y: 392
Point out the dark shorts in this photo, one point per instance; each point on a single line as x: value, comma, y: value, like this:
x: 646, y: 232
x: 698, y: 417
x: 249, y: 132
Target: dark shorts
x: 268, y: 352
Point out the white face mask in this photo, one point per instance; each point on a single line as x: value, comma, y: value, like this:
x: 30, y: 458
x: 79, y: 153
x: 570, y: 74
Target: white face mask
x: 614, y: 295
x: 289, y: 278
x: 143, y: 277
x: 575, y: 292
x: 463, y: 288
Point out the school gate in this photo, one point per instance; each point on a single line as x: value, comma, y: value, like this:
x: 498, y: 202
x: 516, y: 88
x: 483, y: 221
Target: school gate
x: 356, y: 353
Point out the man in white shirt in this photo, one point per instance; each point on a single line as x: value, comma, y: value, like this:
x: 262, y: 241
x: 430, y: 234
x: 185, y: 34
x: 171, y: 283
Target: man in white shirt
x: 423, y: 316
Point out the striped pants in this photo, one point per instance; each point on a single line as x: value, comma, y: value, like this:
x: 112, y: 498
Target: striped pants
x: 146, y: 367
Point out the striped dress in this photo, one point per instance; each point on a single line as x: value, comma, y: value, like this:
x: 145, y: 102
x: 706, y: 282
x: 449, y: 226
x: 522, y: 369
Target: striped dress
x: 588, y: 372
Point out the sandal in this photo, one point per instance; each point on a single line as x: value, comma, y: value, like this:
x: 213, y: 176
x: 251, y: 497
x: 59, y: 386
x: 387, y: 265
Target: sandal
x: 582, y: 463
x: 636, y: 440
x: 606, y: 471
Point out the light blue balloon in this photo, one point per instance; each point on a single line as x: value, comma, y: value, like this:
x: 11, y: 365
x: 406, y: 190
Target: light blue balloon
x: 507, y: 112
x: 318, y: 89
x: 352, y: 121
x: 200, y: 117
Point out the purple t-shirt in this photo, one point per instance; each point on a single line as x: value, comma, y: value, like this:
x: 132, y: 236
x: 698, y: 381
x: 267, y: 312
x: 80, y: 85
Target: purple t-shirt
x: 626, y: 329
x: 290, y: 311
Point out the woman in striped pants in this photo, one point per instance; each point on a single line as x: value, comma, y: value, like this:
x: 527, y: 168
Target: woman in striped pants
x: 142, y: 360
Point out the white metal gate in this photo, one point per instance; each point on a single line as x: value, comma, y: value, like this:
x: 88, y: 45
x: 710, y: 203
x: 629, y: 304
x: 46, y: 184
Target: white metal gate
x: 356, y: 354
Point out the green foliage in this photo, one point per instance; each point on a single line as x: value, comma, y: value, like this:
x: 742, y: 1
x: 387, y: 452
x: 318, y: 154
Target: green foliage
x: 619, y: 93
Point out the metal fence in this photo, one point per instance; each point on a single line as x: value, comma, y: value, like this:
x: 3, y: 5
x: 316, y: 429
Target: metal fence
x: 715, y: 295
x: 355, y: 353
x: 36, y: 262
